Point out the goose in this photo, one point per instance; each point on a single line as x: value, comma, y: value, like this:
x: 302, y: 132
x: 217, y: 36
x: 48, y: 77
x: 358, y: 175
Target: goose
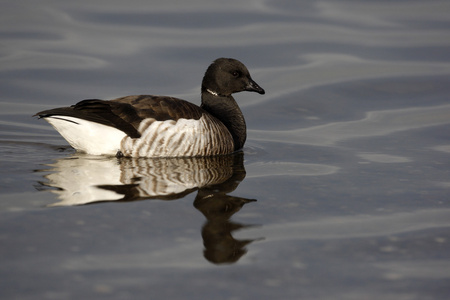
x: 161, y: 126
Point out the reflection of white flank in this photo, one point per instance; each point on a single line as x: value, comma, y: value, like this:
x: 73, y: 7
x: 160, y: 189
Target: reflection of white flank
x: 376, y: 123
x: 77, y: 180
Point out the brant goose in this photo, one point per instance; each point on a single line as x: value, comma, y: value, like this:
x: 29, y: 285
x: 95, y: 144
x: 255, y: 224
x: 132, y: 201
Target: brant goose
x: 161, y: 126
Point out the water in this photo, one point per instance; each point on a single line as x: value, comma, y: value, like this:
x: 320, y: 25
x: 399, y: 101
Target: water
x: 347, y: 156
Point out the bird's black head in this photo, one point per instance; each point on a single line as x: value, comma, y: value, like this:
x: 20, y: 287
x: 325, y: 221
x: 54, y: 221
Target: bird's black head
x: 226, y: 76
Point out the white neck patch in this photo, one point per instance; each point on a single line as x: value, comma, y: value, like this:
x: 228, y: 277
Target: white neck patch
x: 212, y: 92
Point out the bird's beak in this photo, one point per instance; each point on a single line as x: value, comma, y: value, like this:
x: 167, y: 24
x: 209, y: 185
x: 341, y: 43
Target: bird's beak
x: 254, y: 87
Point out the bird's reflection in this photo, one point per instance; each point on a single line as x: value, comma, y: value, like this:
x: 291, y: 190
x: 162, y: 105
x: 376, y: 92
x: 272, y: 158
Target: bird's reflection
x: 80, y: 180
x: 220, y: 245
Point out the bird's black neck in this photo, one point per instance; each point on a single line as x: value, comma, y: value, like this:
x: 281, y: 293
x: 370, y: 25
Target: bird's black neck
x: 228, y: 112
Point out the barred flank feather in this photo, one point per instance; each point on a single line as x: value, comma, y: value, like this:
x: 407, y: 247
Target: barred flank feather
x: 171, y: 176
x: 203, y: 137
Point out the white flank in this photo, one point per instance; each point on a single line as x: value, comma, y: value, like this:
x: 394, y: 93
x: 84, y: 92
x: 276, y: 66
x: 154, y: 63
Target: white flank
x: 90, y: 137
x: 185, y: 137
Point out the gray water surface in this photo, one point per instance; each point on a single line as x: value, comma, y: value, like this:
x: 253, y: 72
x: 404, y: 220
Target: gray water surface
x: 341, y: 191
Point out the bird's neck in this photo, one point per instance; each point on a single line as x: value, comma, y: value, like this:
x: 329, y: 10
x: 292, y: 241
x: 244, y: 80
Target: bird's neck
x: 228, y: 112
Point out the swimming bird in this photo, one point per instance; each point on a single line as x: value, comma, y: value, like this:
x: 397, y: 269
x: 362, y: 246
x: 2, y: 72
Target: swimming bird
x: 161, y: 126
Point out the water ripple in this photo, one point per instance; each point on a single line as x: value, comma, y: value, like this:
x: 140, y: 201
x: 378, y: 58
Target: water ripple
x: 376, y: 123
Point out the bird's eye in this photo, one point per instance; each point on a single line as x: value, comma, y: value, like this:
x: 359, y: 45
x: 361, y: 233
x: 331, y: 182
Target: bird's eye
x: 235, y: 73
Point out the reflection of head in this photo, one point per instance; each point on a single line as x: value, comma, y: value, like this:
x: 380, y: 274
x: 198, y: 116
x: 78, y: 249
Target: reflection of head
x: 218, y: 206
x: 223, y: 257
x: 220, y: 246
